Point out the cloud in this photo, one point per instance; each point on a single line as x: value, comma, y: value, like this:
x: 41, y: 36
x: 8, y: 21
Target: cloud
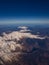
x: 10, y: 46
x: 23, y: 27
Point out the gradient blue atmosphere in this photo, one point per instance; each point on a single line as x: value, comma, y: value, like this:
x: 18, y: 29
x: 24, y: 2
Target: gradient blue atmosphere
x: 24, y: 11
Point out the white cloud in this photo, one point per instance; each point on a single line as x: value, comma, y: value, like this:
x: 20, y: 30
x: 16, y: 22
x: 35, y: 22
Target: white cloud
x: 9, y: 46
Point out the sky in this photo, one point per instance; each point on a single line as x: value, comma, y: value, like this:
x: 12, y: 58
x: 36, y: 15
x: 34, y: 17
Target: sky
x: 24, y: 11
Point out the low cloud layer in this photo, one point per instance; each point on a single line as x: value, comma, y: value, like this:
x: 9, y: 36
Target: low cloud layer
x: 11, y: 46
x: 9, y: 41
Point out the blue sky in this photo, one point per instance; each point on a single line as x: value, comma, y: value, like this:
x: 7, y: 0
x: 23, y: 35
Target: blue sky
x: 18, y: 10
